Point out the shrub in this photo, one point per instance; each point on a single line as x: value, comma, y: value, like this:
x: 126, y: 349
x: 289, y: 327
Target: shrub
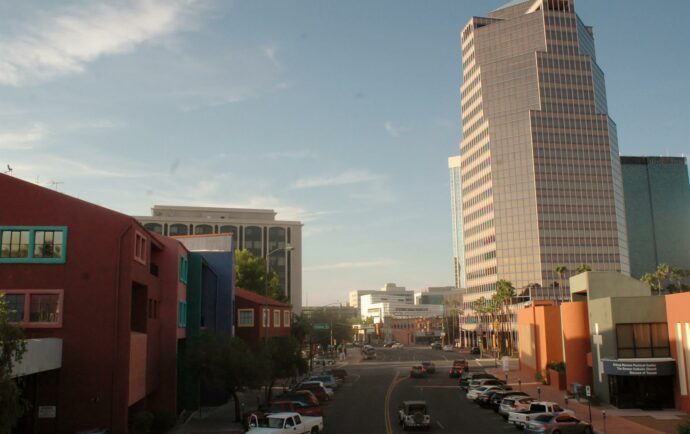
x: 556, y: 366
x: 141, y: 423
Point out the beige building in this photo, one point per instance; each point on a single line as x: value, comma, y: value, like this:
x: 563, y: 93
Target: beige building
x: 256, y: 230
x: 540, y: 174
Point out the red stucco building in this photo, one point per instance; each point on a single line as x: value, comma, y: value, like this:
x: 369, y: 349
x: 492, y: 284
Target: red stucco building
x: 260, y: 317
x: 105, y: 294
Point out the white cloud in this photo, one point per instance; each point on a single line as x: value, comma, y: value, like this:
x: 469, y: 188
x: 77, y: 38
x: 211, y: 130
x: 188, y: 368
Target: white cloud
x: 392, y: 129
x: 345, y: 178
x: 66, y: 43
x: 360, y: 264
x: 20, y: 139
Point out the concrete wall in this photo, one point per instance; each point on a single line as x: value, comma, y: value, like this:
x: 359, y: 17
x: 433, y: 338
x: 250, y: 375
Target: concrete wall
x: 576, y: 343
x: 543, y: 324
x: 598, y: 284
x: 678, y: 311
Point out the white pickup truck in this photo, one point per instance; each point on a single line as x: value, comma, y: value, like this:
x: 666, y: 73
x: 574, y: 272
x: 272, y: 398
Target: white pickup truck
x: 286, y: 423
x: 522, y: 417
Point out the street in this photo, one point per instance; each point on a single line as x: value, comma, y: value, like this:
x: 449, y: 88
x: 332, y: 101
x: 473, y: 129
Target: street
x: 368, y: 401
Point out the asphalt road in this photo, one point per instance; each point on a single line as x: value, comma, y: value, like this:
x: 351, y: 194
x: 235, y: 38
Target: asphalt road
x: 368, y: 401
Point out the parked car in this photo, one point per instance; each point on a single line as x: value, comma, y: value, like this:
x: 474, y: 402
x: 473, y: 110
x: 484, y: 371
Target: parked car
x: 429, y: 367
x: 281, y: 406
x: 436, y: 346
x: 417, y: 371
x: 305, y: 396
x: 466, y: 377
x: 475, y: 350
x: 287, y: 423
x: 338, y: 373
x: 397, y: 345
x: 474, y: 393
x: 523, y: 417
x: 447, y: 348
x: 498, y: 396
x: 327, y: 380
x: 317, y: 387
x: 562, y: 423
x: 488, y: 382
x: 414, y: 414
x: 387, y: 344
x: 514, y: 403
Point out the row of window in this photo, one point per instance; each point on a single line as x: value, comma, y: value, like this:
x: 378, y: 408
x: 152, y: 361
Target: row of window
x: 33, y: 244
x: 35, y: 308
x: 245, y: 318
x: 485, y: 164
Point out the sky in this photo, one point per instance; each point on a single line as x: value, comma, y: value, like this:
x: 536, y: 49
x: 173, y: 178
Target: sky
x: 340, y: 114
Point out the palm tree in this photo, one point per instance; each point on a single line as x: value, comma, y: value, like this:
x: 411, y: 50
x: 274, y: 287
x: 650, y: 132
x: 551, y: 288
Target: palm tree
x: 582, y: 268
x: 676, y: 276
x: 662, y: 273
x: 486, y: 308
x: 650, y: 280
x: 504, y: 296
x: 561, y: 270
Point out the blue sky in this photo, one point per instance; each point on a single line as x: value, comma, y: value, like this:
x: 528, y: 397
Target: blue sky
x: 340, y: 114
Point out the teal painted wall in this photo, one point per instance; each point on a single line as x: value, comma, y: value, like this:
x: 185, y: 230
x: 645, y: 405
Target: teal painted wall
x: 657, y: 208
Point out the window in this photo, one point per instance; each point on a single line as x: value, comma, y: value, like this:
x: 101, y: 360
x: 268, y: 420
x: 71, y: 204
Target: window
x: 35, y: 308
x: 19, y: 244
x: 15, y: 305
x: 140, y: 247
x: 286, y: 318
x: 276, y: 318
x: 182, y: 314
x: 183, y: 269
x: 245, y: 317
x: 643, y: 340
x: 266, y: 319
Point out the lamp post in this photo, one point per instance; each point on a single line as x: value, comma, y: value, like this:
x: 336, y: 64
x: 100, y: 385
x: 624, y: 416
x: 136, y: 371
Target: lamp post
x: 331, y: 317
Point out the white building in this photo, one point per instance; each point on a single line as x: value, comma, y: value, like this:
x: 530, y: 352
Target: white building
x: 256, y: 230
x: 355, y: 297
x: 382, y: 310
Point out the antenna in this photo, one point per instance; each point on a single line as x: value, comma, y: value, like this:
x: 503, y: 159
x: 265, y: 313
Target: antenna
x: 55, y: 184
x: 8, y: 171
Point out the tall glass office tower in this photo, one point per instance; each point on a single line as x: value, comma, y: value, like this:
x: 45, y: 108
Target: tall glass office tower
x: 540, y: 171
x: 454, y: 166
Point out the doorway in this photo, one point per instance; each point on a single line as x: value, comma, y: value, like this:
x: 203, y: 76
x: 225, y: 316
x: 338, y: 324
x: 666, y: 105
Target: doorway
x: 647, y: 393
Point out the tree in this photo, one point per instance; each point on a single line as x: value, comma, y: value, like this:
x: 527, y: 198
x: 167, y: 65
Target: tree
x: 505, y: 292
x: 486, y: 308
x: 226, y: 364
x: 582, y: 268
x: 561, y: 270
x: 252, y: 276
x: 282, y: 356
x: 12, y: 349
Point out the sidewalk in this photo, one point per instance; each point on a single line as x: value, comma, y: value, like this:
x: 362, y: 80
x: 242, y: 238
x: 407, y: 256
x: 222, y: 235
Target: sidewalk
x: 615, y: 424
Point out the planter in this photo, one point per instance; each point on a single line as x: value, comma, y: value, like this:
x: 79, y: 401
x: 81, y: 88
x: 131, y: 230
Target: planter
x: 557, y: 379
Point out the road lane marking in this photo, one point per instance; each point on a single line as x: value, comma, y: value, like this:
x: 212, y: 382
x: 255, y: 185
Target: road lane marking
x: 386, y: 409
x: 440, y: 425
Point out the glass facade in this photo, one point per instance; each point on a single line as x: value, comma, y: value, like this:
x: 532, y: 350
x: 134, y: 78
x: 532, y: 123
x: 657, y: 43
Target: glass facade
x: 540, y: 175
x: 456, y: 212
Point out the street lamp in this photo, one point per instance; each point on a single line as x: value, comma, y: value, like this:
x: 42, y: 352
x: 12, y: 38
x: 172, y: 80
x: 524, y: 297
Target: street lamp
x: 287, y: 248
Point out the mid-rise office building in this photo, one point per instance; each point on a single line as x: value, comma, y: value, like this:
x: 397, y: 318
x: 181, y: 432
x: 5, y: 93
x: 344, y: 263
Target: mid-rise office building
x: 256, y: 230
x: 390, y: 289
x: 454, y: 166
x: 540, y: 173
x: 657, y: 207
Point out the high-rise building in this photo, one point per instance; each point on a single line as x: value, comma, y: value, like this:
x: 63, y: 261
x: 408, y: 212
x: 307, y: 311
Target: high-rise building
x: 456, y: 213
x: 256, y: 230
x: 540, y: 171
x: 391, y: 289
x: 657, y: 205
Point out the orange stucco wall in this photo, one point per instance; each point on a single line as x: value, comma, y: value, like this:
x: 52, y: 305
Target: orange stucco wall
x: 576, y: 342
x: 543, y: 344
x: 678, y: 316
x: 137, y: 368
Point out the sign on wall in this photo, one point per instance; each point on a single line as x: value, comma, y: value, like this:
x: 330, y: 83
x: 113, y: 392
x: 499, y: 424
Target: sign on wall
x: 47, y: 412
x: 631, y: 368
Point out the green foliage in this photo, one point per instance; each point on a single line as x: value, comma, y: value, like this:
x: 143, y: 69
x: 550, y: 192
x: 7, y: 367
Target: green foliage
x: 252, y: 276
x: 666, y: 277
x: 12, y: 349
x: 582, y: 268
x: 556, y: 366
x: 538, y: 377
x: 342, y: 327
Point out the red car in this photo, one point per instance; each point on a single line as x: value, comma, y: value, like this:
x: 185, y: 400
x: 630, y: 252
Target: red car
x: 316, y: 389
x: 296, y: 407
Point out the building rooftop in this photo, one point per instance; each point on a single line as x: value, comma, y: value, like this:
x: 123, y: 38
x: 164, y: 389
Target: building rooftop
x: 511, y: 4
x: 258, y: 298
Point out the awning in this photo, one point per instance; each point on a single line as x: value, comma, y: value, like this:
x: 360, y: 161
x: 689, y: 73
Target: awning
x: 640, y: 367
